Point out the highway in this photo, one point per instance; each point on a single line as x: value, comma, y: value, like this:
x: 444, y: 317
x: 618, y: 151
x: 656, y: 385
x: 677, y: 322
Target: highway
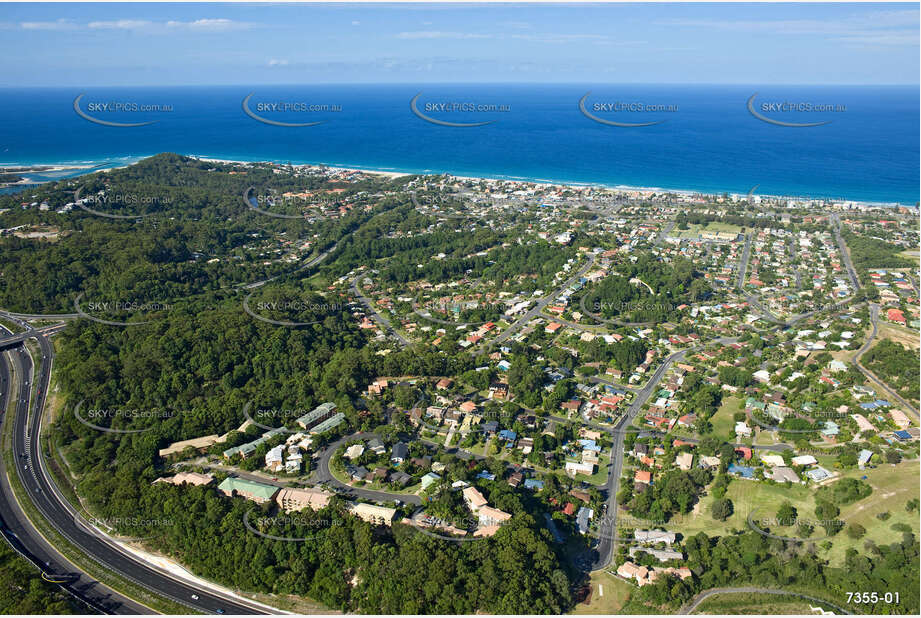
x: 48, y: 499
x: 11, y: 340
x: 19, y: 532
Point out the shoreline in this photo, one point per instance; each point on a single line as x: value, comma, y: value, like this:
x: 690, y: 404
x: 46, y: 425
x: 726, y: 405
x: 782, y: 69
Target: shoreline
x: 125, y: 161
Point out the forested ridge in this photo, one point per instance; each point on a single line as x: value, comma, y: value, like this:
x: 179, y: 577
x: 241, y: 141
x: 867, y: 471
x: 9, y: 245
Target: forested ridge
x: 192, y: 368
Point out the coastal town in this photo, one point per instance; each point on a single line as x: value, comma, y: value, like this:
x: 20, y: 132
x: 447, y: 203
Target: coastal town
x: 622, y: 369
x: 750, y: 378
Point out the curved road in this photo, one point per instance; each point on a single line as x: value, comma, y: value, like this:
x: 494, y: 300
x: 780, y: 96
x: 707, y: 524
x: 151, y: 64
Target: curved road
x: 874, y: 320
x: 703, y: 596
x: 324, y: 476
x: 51, y: 503
x: 18, y: 531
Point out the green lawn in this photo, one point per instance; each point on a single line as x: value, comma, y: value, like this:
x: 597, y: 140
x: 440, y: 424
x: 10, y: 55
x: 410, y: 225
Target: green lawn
x: 694, y: 229
x: 599, y: 478
x: 892, y: 486
x: 723, y: 423
x: 608, y: 596
x: 747, y: 497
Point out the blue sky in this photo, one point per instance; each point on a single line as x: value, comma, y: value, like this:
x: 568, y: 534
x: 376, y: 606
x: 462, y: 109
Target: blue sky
x: 176, y: 44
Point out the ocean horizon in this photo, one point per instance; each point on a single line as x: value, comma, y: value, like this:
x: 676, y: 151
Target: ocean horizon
x: 862, y: 145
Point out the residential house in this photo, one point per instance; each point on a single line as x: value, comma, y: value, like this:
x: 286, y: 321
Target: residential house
x: 584, y: 518
x: 399, y: 453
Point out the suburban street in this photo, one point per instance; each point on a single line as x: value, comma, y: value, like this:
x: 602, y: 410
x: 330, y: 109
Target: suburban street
x: 383, y: 322
x: 874, y: 320
x: 607, y: 531
x: 845, y: 255
x: 536, y: 309
x: 325, y: 477
x: 743, y: 262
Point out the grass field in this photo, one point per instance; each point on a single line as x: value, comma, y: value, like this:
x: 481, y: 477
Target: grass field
x: 723, y: 424
x: 748, y: 603
x: 694, y: 229
x: 609, y: 594
x: 892, y: 486
x: 747, y: 497
x: 905, y: 336
x: 911, y: 254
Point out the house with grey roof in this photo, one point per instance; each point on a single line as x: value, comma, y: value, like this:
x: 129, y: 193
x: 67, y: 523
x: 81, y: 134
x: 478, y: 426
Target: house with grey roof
x: 584, y: 518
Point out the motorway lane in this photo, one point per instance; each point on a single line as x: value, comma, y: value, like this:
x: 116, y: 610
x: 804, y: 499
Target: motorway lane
x: 54, y: 506
x: 9, y: 340
x: 28, y: 542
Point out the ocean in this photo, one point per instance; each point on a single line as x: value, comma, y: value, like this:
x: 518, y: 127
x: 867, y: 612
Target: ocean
x: 704, y: 137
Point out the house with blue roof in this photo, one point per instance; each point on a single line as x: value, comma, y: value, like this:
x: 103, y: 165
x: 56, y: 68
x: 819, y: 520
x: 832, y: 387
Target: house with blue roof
x: 533, y: 484
x: 589, y: 445
x: 831, y: 429
x: 485, y: 474
x: 508, y: 434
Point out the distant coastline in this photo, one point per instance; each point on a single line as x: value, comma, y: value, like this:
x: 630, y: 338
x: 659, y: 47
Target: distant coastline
x: 75, y: 169
x: 711, y: 145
